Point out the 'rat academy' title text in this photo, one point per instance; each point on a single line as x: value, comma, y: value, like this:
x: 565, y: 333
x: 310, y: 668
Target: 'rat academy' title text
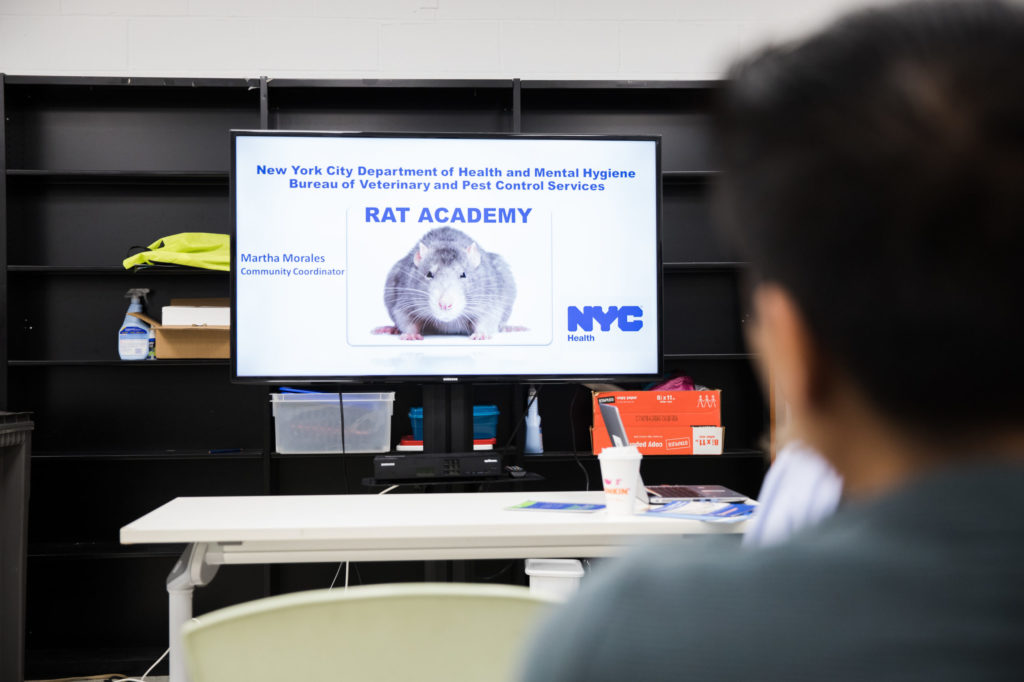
x: 443, y: 214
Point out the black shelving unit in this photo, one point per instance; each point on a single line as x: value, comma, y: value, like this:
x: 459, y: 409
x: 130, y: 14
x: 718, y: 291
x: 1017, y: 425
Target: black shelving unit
x: 94, y: 166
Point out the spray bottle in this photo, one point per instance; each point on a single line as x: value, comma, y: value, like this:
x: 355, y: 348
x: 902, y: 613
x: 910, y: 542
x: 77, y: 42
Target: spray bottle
x: 534, y: 443
x: 134, y: 335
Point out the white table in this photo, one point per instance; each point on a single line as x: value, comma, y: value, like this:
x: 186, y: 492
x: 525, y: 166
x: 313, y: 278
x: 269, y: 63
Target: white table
x: 334, y: 528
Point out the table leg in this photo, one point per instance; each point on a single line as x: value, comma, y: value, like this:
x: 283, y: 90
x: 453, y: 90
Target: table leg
x: 190, y: 571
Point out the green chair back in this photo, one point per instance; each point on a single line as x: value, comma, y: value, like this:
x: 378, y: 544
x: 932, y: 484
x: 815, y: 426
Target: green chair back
x: 403, y: 631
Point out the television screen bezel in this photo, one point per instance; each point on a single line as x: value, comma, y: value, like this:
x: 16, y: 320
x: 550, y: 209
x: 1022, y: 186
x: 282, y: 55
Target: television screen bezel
x: 458, y: 378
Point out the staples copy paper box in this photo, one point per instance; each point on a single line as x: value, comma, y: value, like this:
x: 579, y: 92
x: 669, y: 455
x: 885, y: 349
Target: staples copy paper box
x: 664, y: 422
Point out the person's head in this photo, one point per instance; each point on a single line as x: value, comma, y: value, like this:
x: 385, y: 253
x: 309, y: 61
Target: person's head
x: 874, y: 180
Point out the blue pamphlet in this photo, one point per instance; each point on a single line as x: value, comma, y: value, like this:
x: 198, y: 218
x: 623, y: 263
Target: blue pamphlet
x: 557, y: 506
x: 704, y: 511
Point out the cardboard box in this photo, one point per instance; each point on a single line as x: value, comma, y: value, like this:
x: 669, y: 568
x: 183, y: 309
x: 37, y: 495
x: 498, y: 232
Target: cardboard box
x: 191, y: 341
x: 664, y: 422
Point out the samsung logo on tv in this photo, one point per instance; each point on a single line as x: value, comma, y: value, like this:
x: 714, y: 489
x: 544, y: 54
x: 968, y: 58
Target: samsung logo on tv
x: 626, y: 317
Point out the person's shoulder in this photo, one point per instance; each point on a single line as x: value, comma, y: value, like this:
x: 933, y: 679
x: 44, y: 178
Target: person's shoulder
x: 687, y: 601
x: 717, y: 567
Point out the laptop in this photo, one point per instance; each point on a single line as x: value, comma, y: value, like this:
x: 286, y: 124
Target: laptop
x: 663, y: 494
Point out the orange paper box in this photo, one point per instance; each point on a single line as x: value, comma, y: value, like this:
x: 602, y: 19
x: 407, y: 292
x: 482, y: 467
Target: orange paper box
x: 664, y: 422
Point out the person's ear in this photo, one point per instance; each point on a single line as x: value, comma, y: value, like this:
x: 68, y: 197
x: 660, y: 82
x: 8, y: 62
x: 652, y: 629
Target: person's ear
x: 787, y: 347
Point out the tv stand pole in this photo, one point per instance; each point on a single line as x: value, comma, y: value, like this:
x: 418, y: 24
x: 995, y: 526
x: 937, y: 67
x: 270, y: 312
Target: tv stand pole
x: 447, y: 427
x: 447, y: 418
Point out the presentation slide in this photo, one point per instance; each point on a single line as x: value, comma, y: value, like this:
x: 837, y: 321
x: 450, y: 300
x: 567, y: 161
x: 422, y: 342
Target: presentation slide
x: 362, y: 256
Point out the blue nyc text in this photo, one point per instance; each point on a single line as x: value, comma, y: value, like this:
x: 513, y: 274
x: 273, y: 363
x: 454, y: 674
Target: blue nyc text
x: 626, y: 317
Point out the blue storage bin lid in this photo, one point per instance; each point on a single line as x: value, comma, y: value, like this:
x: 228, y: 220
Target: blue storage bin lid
x: 478, y: 411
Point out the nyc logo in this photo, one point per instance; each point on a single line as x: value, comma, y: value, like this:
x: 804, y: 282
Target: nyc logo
x: 625, y: 317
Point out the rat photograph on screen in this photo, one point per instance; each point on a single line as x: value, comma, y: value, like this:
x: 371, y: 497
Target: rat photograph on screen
x: 362, y: 256
x: 447, y: 284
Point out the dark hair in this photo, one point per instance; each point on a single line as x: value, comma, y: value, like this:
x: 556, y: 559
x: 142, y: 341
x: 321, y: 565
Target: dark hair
x: 876, y: 171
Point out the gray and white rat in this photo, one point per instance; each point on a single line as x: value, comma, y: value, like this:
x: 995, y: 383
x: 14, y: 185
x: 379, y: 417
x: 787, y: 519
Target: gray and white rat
x: 447, y: 284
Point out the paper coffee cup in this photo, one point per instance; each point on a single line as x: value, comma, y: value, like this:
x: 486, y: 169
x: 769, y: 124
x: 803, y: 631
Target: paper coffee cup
x: 620, y: 474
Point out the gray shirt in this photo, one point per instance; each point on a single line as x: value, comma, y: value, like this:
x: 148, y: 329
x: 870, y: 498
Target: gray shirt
x: 926, y: 583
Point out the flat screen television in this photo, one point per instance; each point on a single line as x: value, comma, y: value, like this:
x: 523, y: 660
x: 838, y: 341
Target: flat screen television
x: 444, y: 257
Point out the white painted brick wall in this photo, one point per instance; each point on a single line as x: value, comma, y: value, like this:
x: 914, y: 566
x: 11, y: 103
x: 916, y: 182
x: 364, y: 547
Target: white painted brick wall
x: 261, y: 45
x: 677, y: 49
x: 551, y: 49
x: 551, y: 39
x: 443, y: 48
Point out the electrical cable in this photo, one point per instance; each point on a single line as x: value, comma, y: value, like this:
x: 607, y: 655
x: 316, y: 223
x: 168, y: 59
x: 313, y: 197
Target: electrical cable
x: 359, y: 576
x: 572, y: 432
x: 114, y: 676
x: 504, y: 570
x: 522, y: 418
x: 346, y: 563
x: 82, y: 678
x: 344, y: 459
x: 143, y: 678
x: 344, y: 480
x: 336, y: 574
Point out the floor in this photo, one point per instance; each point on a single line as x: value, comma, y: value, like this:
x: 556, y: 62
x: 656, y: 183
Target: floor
x: 151, y: 678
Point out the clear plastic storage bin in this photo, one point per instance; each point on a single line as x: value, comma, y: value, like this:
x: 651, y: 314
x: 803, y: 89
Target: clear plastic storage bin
x: 308, y: 423
x: 554, y: 578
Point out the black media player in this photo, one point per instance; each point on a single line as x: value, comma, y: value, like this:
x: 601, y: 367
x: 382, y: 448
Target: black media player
x: 406, y: 467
